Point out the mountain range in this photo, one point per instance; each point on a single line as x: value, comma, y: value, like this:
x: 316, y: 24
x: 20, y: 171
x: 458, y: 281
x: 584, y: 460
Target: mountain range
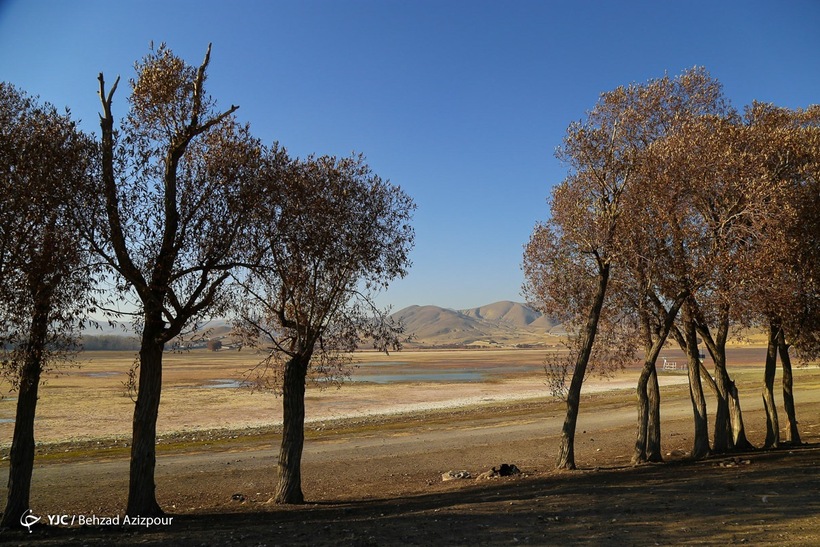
x: 502, y: 323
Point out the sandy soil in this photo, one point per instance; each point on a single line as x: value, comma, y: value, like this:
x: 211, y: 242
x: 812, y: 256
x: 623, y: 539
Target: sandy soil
x: 374, y: 477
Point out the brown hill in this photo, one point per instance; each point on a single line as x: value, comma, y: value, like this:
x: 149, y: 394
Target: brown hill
x: 499, y: 324
x: 435, y: 323
x: 512, y: 313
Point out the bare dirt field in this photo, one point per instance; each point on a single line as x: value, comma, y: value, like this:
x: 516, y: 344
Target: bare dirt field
x: 375, y: 453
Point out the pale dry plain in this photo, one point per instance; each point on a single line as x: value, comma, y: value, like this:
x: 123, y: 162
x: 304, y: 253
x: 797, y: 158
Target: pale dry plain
x: 375, y: 452
x: 204, y: 390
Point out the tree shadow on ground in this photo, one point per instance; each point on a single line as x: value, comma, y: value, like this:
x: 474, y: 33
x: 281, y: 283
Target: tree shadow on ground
x: 762, y: 496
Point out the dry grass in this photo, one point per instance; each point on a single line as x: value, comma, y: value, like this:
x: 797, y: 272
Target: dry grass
x: 228, y: 439
x: 90, y: 401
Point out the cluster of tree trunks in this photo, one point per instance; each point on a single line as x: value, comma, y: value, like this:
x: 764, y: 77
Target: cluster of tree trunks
x: 703, y: 219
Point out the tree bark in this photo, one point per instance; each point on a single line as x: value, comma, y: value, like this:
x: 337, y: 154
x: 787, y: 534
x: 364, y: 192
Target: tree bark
x: 788, y: 393
x: 653, y: 444
x: 739, y: 438
x: 142, y: 499
x: 772, y: 425
x: 723, y: 439
x: 640, y: 455
x: 729, y: 432
x: 566, y: 455
x: 289, y: 471
x: 700, y: 446
x: 648, y: 442
x: 21, y: 457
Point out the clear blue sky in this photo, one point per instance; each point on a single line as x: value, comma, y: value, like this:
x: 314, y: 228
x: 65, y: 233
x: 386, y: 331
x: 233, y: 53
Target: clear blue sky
x: 462, y: 103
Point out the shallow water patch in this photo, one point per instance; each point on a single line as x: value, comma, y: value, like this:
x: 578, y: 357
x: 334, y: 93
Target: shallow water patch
x: 105, y: 374
x: 431, y: 376
x: 222, y: 383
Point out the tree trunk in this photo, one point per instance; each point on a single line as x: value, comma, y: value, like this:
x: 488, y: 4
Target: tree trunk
x: 648, y: 444
x: 142, y: 499
x: 788, y: 394
x: 706, y: 377
x: 289, y: 471
x: 640, y: 455
x: 653, y: 444
x: 723, y: 439
x: 566, y: 455
x: 700, y: 447
x: 726, y: 409
x: 738, y: 429
x: 21, y: 457
x: 772, y: 425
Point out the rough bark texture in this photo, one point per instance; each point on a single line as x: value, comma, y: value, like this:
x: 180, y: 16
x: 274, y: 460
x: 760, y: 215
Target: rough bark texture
x: 648, y: 442
x: 21, y: 457
x: 772, y: 425
x: 739, y: 438
x: 788, y: 393
x: 566, y: 455
x: 653, y: 443
x: 729, y: 431
x: 640, y: 455
x: 142, y: 499
x: 722, y: 440
x: 289, y: 471
x: 700, y: 445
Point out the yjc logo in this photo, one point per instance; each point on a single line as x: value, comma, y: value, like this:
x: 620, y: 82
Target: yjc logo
x: 28, y: 520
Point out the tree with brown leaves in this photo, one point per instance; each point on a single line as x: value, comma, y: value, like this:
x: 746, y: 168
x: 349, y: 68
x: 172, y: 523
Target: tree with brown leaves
x: 175, y: 190
x: 783, y: 283
x: 46, y: 277
x: 652, y: 235
x: 605, y: 153
x: 329, y: 233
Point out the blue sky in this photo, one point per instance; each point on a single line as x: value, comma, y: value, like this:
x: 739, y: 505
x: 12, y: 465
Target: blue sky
x: 462, y: 103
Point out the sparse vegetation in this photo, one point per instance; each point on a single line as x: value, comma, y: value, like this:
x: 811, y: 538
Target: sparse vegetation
x: 679, y: 216
x: 675, y: 202
x: 400, y: 487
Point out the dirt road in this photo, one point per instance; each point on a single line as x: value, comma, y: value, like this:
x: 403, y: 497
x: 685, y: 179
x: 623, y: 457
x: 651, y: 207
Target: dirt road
x: 375, y: 479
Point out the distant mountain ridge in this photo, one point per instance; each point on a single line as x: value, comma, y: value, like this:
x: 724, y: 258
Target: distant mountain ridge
x: 502, y: 323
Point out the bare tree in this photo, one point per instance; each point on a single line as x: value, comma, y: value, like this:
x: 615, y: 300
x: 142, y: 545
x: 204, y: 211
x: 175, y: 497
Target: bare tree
x: 175, y: 182
x: 46, y: 278
x: 331, y: 232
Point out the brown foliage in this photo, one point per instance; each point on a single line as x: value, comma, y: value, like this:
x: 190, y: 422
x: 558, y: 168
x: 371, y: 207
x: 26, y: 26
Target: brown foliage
x: 46, y: 279
x: 329, y: 233
x: 175, y: 194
